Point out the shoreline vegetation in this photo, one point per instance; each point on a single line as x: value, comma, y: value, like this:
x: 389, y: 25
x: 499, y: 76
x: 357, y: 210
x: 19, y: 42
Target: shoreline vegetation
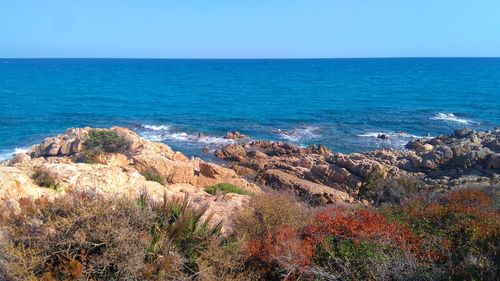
x: 105, y: 204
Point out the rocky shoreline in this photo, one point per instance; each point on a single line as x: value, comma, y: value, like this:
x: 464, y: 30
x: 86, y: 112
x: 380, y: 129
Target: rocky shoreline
x: 120, y: 173
x: 466, y: 157
x: 315, y: 173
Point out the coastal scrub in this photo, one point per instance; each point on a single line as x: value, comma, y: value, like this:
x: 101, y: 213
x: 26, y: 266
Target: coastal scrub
x: 223, y: 188
x: 98, y: 142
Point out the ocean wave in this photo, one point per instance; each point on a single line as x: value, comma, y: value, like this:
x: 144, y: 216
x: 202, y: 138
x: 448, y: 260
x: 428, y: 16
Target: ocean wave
x: 392, y: 139
x: 7, y: 154
x: 163, y: 133
x: 299, y: 134
x: 157, y: 127
x: 450, y: 117
x: 390, y: 134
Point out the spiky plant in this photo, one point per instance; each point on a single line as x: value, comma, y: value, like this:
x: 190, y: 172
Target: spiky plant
x: 185, y: 227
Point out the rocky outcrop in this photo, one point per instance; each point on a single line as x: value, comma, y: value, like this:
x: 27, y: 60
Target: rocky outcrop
x: 314, y: 173
x: 120, y: 173
x: 462, y: 158
x: 234, y: 135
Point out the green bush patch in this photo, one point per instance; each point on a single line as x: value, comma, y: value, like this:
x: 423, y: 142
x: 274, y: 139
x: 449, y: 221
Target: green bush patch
x: 98, y: 142
x: 106, y: 141
x: 223, y: 188
x: 151, y: 175
x: 45, y: 178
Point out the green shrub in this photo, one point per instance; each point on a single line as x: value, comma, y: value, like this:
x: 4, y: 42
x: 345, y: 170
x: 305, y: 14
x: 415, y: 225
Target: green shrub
x: 187, y: 228
x: 152, y: 175
x: 45, y: 178
x: 106, y: 141
x: 223, y: 188
x: 379, y: 190
x: 363, y: 260
x: 98, y: 142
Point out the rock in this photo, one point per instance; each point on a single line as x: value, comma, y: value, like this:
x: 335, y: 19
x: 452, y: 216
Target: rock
x: 462, y: 133
x: 257, y: 154
x: 383, y: 136
x: 19, y: 158
x: 420, y: 146
x: 122, y: 174
x: 465, y: 153
x: 201, y: 135
x: 494, y: 161
x: 320, y: 194
x: 234, y: 135
x: 211, y: 170
x: 234, y: 151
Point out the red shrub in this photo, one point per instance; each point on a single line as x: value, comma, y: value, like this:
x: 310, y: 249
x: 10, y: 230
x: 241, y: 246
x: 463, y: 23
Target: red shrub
x: 360, y: 225
x: 282, y: 246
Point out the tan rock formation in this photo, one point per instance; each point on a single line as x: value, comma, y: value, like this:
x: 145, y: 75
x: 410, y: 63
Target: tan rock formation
x: 120, y: 173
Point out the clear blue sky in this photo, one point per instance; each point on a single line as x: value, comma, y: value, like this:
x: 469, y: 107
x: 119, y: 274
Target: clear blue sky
x: 249, y: 28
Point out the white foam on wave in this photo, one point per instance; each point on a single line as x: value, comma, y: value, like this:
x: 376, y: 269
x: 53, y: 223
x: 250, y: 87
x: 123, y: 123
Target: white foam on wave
x: 450, y: 117
x: 157, y: 127
x: 7, y: 154
x: 299, y: 134
x: 160, y: 133
x: 192, y: 138
x: 394, y: 139
x: 390, y: 134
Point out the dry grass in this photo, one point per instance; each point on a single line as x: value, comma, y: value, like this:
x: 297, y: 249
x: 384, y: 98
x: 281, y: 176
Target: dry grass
x: 268, y: 211
x: 78, y: 235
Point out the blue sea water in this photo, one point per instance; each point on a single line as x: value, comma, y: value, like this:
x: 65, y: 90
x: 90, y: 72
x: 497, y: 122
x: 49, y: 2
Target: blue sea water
x: 342, y: 103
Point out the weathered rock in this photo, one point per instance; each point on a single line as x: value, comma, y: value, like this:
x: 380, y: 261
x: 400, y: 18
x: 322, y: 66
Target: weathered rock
x: 234, y: 135
x: 444, y: 159
x: 120, y: 173
x: 319, y: 194
x: 494, y: 161
x: 464, y: 132
x: 383, y: 136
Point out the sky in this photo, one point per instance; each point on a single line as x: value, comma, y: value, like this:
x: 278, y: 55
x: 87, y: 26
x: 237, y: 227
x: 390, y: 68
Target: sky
x: 249, y: 28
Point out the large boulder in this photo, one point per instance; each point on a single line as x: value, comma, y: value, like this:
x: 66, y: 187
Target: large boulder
x: 315, y: 193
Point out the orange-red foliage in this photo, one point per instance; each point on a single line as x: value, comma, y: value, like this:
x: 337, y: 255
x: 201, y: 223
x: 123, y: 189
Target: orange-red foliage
x: 360, y: 225
x: 282, y: 246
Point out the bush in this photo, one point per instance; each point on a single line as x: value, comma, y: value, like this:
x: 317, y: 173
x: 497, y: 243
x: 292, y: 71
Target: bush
x: 190, y: 230
x: 45, y: 178
x: 380, y: 190
x: 225, y: 259
x: 461, y: 230
x: 359, y: 245
x: 75, y: 236
x: 106, y: 141
x: 99, y: 142
x: 152, y: 175
x: 452, y: 236
x: 268, y: 211
x: 223, y: 188
x: 270, y: 230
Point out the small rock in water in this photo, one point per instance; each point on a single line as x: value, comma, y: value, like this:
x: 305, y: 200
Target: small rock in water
x: 206, y: 150
x: 383, y: 136
x: 234, y: 135
x: 201, y: 135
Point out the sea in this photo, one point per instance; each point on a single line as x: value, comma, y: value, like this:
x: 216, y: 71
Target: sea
x: 344, y: 104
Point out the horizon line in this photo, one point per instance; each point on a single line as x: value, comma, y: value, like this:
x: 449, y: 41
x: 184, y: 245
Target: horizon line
x: 259, y: 58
